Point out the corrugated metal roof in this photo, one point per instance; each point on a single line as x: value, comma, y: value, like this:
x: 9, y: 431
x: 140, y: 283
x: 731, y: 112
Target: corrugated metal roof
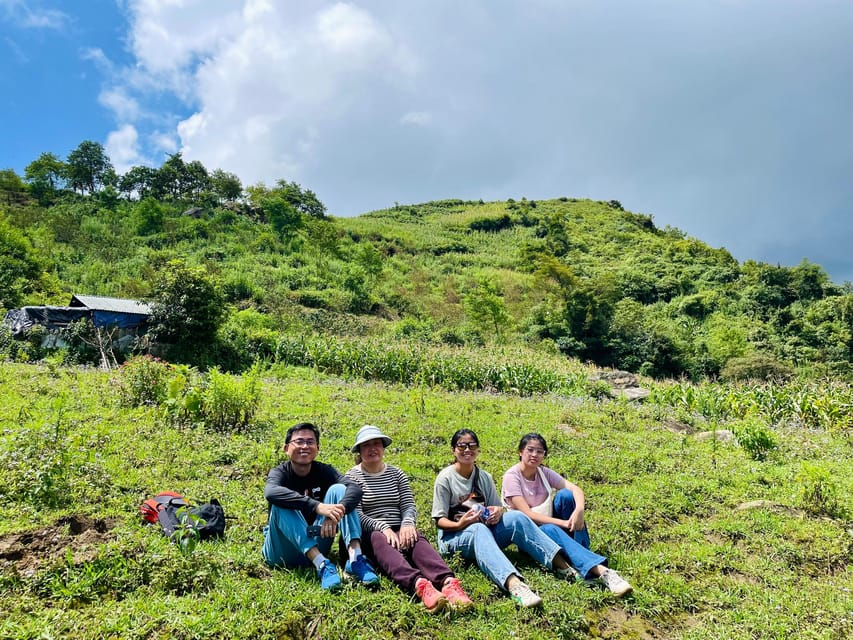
x: 118, y: 305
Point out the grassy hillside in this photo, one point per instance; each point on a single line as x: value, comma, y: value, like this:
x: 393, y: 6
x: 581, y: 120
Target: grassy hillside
x: 581, y: 278
x: 746, y: 538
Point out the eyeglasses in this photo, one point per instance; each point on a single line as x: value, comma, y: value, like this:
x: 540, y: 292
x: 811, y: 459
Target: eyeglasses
x: 304, y: 442
x: 472, y: 446
x: 534, y: 452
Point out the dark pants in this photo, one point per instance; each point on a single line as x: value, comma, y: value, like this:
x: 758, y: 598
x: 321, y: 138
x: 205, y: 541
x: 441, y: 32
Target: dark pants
x: 405, y: 567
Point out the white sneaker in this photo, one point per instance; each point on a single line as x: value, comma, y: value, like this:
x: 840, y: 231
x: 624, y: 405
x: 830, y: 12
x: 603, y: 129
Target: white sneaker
x: 616, y: 583
x: 524, y: 596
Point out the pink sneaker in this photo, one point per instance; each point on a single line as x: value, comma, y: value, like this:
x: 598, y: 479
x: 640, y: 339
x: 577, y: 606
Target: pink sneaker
x: 456, y: 596
x: 432, y: 599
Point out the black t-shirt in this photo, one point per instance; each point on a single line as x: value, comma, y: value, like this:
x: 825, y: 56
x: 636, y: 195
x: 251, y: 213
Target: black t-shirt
x: 287, y: 490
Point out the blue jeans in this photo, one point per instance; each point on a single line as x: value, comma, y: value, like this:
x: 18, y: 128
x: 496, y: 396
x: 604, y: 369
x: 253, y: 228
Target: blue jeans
x: 483, y: 545
x: 564, y: 505
x: 577, y: 548
x: 286, y: 538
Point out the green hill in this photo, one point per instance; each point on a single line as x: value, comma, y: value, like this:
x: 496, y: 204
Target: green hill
x: 582, y: 278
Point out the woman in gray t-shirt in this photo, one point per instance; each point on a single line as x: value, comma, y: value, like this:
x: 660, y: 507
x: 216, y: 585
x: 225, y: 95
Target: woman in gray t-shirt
x: 471, y: 521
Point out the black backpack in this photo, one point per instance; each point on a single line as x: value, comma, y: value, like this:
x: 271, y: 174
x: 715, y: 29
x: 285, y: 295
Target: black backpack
x: 164, y: 508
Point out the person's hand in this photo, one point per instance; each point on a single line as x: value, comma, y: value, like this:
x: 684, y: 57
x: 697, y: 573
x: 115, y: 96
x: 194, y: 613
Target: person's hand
x: 468, y: 518
x: 328, y: 528
x: 496, y: 512
x: 332, y: 512
x: 332, y: 515
x: 392, y: 538
x: 575, y: 521
x: 408, y: 536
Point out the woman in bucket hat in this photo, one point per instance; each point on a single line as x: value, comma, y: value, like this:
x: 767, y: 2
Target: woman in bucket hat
x: 390, y: 536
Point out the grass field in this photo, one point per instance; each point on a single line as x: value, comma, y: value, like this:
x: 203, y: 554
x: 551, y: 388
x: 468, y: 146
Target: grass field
x: 717, y: 544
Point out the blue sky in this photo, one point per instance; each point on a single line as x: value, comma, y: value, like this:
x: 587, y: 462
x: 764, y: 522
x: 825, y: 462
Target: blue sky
x: 729, y: 119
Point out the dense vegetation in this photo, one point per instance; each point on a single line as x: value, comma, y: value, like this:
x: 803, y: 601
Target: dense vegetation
x: 582, y: 278
x: 725, y: 503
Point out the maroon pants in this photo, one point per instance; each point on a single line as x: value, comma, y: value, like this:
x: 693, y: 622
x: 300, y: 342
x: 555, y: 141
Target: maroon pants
x: 405, y: 567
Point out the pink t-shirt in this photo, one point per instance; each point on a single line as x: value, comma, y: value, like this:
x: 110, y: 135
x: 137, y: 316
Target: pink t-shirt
x: 533, y: 491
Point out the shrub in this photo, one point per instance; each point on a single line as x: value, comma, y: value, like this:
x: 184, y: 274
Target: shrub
x: 755, y: 366
x: 755, y: 438
x: 144, y: 380
x: 229, y: 403
x: 818, y: 493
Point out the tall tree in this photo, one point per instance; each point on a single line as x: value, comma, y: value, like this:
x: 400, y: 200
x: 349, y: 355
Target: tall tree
x: 186, y: 311
x: 226, y: 186
x: 138, y: 180
x: 89, y: 167
x: 303, y: 200
x: 45, y: 175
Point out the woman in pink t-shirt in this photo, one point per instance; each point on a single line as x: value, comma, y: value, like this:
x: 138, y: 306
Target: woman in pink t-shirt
x: 527, y: 487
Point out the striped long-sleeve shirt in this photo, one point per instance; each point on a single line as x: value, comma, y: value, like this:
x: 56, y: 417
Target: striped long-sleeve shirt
x: 387, y: 499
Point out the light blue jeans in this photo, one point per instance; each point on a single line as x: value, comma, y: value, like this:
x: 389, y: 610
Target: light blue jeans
x: 483, y: 545
x: 286, y: 539
x: 576, y: 548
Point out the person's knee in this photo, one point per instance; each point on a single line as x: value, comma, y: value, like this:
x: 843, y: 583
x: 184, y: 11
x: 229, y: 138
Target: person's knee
x: 335, y: 494
x: 517, y: 521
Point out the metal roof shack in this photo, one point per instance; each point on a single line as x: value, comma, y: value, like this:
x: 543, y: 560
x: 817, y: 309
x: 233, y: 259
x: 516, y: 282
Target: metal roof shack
x: 103, y: 312
x: 113, y: 312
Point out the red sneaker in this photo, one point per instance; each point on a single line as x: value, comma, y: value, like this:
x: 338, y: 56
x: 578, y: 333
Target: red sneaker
x: 432, y: 599
x: 456, y: 596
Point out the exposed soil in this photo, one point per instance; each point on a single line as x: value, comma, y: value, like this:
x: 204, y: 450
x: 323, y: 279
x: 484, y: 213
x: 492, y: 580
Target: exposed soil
x: 27, y: 552
x: 615, y: 622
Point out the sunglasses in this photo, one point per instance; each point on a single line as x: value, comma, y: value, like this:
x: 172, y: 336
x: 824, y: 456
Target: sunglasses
x: 462, y: 446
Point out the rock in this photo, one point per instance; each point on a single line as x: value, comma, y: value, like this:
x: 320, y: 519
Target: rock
x: 767, y: 504
x: 675, y: 426
x: 723, y: 435
x: 623, y: 384
x: 569, y: 429
x: 631, y: 393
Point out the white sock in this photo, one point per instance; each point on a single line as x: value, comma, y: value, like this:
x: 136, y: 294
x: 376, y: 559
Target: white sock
x: 318, y: 560
x: 354, y: 553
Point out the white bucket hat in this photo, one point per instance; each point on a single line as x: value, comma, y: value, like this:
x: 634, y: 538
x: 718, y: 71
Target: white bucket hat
x: 369, y: 432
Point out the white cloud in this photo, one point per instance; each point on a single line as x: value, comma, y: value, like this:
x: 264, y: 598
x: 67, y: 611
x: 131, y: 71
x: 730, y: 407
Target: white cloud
x: 418, y: 118
x: 122, y: 147
x: 125, y: 107
x: 27, y: 15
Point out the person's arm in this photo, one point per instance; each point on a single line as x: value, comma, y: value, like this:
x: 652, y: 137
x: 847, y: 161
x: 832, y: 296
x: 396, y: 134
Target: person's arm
x: 282, y: 496
x: 408, y: 534
x: 408, y: 509
x: 441, y: 499
x: 576, y: 520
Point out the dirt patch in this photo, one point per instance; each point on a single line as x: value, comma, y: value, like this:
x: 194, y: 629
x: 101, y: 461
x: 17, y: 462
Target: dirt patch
x: 618, y: 623
x: 81, y: 535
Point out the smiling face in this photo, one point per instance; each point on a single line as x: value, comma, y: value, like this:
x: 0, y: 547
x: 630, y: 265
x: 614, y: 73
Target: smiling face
x: 303, y: 447
x: 371, y: 452
x: 466, y: 449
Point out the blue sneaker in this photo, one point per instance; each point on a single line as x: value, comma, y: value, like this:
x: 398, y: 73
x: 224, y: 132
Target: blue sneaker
x: 329, y: 578
x: 362, y: 570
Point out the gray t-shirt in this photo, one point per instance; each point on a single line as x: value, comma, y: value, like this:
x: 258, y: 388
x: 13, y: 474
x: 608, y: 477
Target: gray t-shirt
x: 451, y: 488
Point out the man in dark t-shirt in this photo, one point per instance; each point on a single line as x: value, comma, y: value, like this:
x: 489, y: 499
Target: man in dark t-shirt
x: 303, y: 490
